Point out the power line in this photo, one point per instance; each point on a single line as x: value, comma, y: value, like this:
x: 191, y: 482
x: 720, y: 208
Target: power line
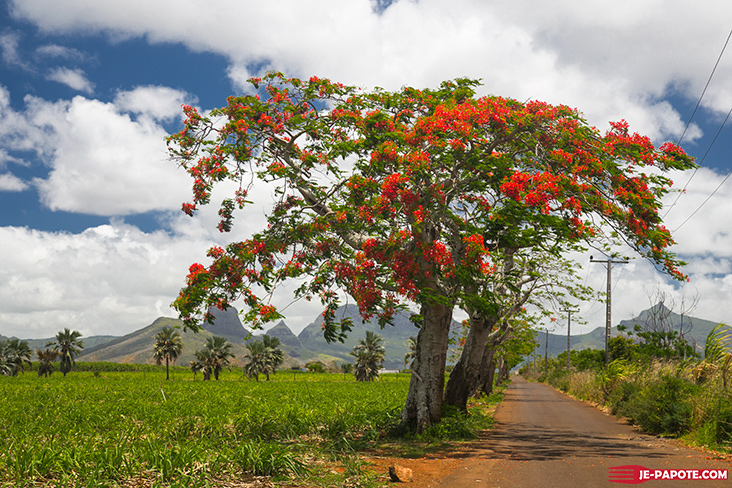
x: 698, y: 102
x: 719, y: 131
x: 688, y: 123
x: 704, y: 202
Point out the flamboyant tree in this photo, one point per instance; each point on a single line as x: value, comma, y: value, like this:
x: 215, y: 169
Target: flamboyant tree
x: 408, y: 197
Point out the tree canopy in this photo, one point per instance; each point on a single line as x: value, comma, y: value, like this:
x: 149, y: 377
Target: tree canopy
x: 421, y: 197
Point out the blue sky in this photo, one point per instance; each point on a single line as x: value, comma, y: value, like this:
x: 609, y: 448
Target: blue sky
x: 90, y: 229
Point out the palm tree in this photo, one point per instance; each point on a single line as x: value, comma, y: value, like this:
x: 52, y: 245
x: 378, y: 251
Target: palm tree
x: 46, y: 357
x: 257, y: 359
x: 213, y: 357
x: 369, y: 354
x: 202, y: 363
x: 264, y: 357
x: 409, y: 356
x: 6, y: 364
x: 168, y: 346
x: 14, y: 355
x: 68, y: 347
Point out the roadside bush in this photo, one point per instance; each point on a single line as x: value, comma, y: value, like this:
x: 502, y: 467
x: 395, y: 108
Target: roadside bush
x: 622, y: 394
x: 663, y: 407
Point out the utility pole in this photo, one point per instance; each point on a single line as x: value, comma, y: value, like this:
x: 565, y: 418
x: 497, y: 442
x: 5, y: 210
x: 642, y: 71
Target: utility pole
x: 608, y: 303
x: 546, y: 352
x: 569, y: 322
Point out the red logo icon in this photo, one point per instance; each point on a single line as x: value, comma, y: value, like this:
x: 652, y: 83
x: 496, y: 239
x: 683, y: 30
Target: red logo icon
x: 634, y: 474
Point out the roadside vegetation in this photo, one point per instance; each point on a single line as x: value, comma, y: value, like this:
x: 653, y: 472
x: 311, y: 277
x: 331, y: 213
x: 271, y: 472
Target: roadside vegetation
x: 655, y: 384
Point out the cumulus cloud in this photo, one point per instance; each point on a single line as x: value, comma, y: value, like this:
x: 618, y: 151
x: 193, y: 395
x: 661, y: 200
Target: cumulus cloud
x: 9, y: 182
x: 110, y: 279
x: 73, y: 78
x: 562, y: 52
x: 158, y: 102
x: 101, y: 161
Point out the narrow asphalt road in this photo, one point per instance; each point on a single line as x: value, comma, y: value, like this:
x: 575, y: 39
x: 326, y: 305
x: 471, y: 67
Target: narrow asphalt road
x: 545, y: 439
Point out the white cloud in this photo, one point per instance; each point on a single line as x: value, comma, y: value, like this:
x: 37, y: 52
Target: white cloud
x: 9, y: 182
x: 9, y: 50
x: 563, y: 52
x: 699, y: 228
x: 110, y: 279
x: 73, y: 78
x: 60, y: 52
x: 102, y: 161
x: 158, y: 102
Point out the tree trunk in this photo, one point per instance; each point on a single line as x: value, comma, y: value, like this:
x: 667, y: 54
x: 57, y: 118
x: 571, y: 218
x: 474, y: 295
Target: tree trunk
x: 488, y: 369
x: 424, y: 400
x: 502, y: 370
x: 465, y: 376
x: 167, y: 369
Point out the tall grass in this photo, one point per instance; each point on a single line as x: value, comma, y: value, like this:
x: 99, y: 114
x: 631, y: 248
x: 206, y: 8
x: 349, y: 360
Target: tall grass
x: 100, y: 430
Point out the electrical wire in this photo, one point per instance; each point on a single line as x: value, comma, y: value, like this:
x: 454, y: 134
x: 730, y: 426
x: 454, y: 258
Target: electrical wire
x: 688, y: 123
x: 698, y: 102
x: 704, y: 202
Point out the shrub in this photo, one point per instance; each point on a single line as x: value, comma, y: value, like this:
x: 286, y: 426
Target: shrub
x: 663, y: 407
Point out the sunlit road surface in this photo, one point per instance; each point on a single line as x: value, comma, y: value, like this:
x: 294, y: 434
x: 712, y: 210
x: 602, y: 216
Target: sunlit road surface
x: 545, y: 439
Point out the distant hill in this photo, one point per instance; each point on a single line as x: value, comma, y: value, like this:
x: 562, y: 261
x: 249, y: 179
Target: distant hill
x: 291, y: 344
x: 137, y: 346
x: 309, y: 345
x: 695, y: 330
x: 91, y: 341
x: 396, y: 337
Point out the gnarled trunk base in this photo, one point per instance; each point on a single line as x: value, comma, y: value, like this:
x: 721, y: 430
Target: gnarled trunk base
x: 465, y: 377
x: 424, y: 400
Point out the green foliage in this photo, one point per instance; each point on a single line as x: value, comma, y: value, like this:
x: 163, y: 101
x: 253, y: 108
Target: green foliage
x: 717, y: 344
x: 621, y: 347
x: 315, y: 366
x: 582, y: 360
x: 213, y: 358
x: 68, y: 345
x: 46, y: 357
x: 369, y: 356
x: 268, y: 459
x: 659, y: 344
x: 122, y: 429
x: 689, y: 398
x: 14, y: 356
x: 662, y: 407
x: 456, y: 425
x: 264, y: 357
x: 168, y: 346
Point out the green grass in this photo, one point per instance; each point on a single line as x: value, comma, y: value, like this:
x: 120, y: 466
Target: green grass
x: 106, y: 429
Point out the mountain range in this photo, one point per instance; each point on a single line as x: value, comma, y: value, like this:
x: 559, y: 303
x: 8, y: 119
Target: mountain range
x: 310, y: 345
x: 695, y: 331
